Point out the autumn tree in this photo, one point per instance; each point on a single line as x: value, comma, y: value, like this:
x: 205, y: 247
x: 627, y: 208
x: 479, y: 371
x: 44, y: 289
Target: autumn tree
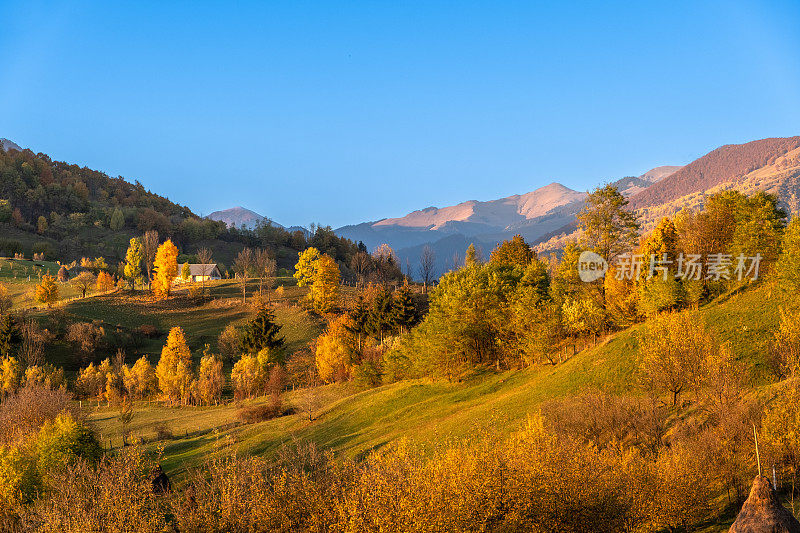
x: 204, y: 257
x: 427, y: 267
x: 306, y: 267
x: 105, y: 282
x: 11, y: 372
x: 210, y: 379
x: 265, y: 268
x: 149, y: 249
x: 786, y: 343
x: 325, y: 288
x: 47, y: 291
x: 473, y: 255
x: 248, y: 377
x: 133, y: 262
x: 759, y: 227
x: 140, y: 380
x: 513, y: 253
x: 6, y: 302
x: 243, y: 267
x: 229, y: 342
x: 622, y: 299
x: 166, y: 269
x: 83, y: 282
x: 608, y: 227
x: 335, y: 351
x: 780, y: 430
x: 674, y: 348
x: 788, y: 267
x: 583, y: 316
x: 174, y: 370
x: 186, y: 272
x: 360, y: 265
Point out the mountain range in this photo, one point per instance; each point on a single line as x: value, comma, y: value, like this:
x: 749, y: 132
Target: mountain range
x: 535, y: 215
x: 546, y: 216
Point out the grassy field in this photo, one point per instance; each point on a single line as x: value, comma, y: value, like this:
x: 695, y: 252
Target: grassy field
x: 353, y: 422
x: 20, y: 277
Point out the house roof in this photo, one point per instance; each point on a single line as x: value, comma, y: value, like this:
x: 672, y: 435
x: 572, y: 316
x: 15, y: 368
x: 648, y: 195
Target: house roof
x: 200, y: 269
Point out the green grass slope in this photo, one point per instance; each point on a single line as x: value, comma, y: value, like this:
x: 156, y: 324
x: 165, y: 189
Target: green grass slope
x: 353, y: 422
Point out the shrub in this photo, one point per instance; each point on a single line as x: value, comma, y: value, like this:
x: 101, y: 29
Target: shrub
x: 114, y: 495
x: 163, y: 432
x: 23, y: 413
x: 258, y: 413
x: 148, y: 330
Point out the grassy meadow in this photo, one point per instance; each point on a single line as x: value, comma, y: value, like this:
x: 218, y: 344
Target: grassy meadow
x: 352, y: 422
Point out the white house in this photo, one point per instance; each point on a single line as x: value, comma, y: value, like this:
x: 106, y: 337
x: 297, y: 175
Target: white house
x: 201, y: 272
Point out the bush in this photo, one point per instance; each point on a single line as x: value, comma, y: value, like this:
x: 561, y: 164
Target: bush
x: 10, y: 247
x: 259, y: 413
x: 115, y: 495
x: 23, y: 413
x: 148, y: 330
x: 163, y: 432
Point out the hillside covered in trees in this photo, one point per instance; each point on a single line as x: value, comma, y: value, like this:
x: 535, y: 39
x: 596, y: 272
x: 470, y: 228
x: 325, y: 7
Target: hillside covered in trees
x: 727, y: 163
x: 67, y: 212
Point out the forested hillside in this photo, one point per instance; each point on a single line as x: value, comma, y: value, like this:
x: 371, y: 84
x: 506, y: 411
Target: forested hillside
x: 67, y: 212
x: 726, y: 163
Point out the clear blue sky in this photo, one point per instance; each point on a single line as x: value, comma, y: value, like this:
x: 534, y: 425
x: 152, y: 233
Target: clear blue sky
x: 341, y: 112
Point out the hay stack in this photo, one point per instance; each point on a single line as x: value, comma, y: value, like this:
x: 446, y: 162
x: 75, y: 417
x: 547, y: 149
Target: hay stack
x: 763, y: 513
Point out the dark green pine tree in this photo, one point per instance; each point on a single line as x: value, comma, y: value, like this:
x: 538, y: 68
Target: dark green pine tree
x: 261, y: 332
x: 380, y: 315
x: 404, y: 311
x: 10, y: 336
x: 359, y: 316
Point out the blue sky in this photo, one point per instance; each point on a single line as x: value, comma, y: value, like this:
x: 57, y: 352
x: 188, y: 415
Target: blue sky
x: 341, y: 112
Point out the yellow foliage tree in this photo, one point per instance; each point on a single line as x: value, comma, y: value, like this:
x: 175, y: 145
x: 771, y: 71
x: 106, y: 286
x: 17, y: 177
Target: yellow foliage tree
x: 47, y: 291
x: 335, y: 350
x: 674, y: 349
x: 174, y: 370
x: 306, y: 266
x: 166, y: 268
x: 786, y: 344
x: 105, y: 282
x: 140, y: 380
x: 325, y: 287
x: 210, y: 379
x: 10, y: 375
x: 44, y: 376
x: 248, y: 376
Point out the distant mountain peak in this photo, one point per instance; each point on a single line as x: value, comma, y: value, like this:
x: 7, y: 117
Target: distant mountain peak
x: 7, y: 145
x: 492, y: 213
x: 241, y: 217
